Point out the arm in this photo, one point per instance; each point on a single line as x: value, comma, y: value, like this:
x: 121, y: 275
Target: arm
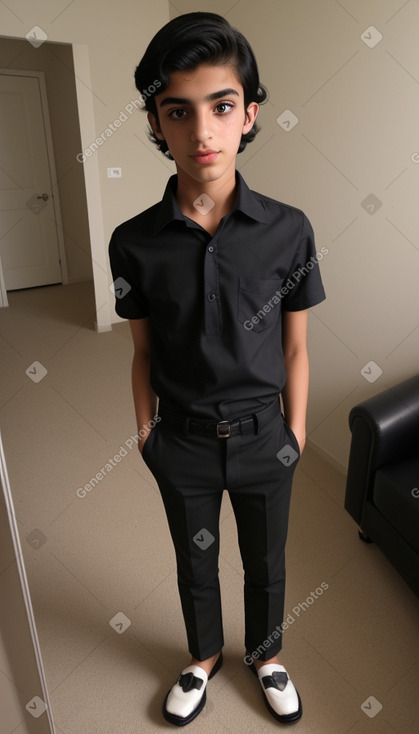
x: 295, y: 393
x: 145, y: 399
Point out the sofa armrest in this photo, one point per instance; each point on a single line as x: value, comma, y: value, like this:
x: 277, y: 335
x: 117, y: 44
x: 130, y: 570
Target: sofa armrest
x: 384, y: 428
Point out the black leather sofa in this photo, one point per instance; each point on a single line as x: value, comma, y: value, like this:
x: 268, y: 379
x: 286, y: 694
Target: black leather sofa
x: 382, y: 489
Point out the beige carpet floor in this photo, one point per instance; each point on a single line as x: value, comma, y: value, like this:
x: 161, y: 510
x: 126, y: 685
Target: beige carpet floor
x: 102, y: 571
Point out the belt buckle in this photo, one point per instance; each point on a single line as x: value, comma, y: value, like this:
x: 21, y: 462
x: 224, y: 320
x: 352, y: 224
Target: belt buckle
x: 223, y: 429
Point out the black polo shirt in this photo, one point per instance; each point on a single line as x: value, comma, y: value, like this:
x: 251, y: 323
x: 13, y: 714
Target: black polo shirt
x: 215, y: 302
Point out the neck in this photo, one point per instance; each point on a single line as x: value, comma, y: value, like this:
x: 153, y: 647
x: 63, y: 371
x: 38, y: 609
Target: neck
x: 222, y: 192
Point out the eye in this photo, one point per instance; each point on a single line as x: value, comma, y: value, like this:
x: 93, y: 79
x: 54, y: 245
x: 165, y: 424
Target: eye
x: 223, y: 107
x: 177, y: 114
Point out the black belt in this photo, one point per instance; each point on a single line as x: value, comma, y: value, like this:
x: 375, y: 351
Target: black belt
x: 221, y: 429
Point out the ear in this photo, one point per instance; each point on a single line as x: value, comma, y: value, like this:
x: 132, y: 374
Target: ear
x: 250, y: 117
x: 154, y: 124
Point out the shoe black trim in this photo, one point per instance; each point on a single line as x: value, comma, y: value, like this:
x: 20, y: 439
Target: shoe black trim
x: 216, y: 666
x: 183, y: 720
x: 283, y: 718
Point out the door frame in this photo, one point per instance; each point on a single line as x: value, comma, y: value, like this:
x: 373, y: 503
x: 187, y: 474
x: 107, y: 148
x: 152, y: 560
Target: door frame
x: 40, y: 76
x: 91, y: 170
x: 87, y: 125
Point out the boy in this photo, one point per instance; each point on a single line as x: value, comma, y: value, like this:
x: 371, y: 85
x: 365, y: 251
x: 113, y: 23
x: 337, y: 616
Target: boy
x: 217, y: 282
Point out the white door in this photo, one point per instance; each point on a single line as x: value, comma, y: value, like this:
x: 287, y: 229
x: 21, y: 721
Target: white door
x: 29, y: 249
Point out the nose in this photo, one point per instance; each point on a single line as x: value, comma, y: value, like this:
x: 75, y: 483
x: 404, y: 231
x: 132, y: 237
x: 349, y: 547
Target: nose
x: 201, y: 126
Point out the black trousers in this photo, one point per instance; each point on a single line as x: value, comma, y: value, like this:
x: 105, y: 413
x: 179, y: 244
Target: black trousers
x: 256, y: 467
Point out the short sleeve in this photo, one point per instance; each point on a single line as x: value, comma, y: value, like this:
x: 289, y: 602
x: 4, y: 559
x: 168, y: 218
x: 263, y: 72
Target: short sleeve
x: 303, y: 287
x: 130, y: 303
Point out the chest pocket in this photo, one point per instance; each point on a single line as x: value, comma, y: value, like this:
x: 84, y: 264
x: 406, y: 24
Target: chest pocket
x: 259, y: 305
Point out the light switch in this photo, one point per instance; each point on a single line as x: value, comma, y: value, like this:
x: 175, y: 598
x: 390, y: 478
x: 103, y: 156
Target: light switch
x: 114, y: 173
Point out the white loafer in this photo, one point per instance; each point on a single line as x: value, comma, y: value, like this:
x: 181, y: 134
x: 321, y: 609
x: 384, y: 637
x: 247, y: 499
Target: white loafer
x: 281, y: 697
x: 187, y: 698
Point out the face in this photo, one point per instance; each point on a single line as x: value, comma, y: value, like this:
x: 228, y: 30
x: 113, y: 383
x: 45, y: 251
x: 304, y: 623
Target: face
x: 201, y: 116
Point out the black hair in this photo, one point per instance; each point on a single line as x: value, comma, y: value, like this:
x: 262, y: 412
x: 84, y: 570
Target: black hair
x: 188, y: 41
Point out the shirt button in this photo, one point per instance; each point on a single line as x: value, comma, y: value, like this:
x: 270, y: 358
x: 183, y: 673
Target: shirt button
x: 210, y: 249
x: 211, y: 296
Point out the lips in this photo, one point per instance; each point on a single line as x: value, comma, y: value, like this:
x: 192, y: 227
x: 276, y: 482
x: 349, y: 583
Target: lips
x: 205, y: 156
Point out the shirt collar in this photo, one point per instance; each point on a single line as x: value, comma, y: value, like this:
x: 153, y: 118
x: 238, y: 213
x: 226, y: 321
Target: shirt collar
x: 249, y: 202
x: 246, y: 201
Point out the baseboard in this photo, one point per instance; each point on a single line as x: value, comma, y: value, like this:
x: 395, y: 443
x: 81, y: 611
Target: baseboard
x: 102, y: 327
x: 327, y: 457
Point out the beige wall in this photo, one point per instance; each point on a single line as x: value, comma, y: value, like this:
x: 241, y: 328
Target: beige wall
x: 358, y: 111
x: 56, y: 61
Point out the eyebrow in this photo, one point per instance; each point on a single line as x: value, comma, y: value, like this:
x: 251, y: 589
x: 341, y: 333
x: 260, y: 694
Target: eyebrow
x: 208, y: 98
